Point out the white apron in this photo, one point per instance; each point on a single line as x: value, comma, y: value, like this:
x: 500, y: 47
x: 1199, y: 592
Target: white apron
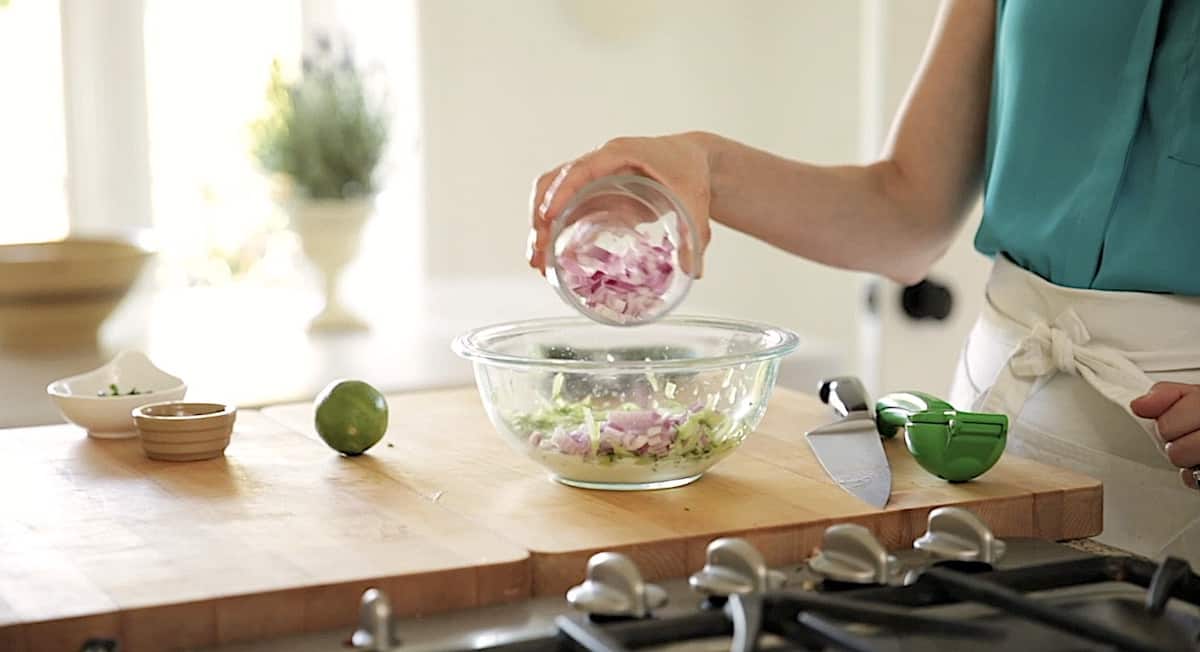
x: 1064, y: 364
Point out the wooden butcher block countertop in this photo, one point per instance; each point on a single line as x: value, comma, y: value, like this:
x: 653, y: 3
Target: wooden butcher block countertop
x: 282, y: 535
x: 771, y: 491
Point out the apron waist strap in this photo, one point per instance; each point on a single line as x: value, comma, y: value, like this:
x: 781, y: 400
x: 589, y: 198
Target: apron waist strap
x: 1058, y: 340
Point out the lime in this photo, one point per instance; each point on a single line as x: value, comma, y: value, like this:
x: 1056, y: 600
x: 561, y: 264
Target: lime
x: 351, y: 416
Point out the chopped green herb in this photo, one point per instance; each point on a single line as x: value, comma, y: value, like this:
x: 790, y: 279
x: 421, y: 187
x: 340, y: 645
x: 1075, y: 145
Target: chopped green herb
x: 113, y: 390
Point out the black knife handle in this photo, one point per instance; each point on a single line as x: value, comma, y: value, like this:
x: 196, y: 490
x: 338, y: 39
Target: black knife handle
x: 845, y: 394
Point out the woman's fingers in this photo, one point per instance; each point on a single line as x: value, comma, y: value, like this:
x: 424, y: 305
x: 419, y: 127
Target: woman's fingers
x: 553, y: 190
x: 1159, y: 399
x: 693, y: 261
x: 678, y: 162
x: 1182, y: 417
x: 609, y: 159
x: 1184, y: 451
x: 1175, y: 408
x: 539, y: 229
x: 556, y: 181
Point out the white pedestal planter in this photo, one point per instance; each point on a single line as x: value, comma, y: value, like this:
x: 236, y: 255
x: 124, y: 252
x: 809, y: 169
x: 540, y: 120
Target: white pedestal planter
x: 330, y: 231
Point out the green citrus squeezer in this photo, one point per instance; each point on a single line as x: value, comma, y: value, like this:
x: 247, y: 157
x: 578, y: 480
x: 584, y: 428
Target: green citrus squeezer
x: 951, y: 444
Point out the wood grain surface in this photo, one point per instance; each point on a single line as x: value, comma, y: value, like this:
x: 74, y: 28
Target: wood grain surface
x: 280, y: 536
x: 771, y: 491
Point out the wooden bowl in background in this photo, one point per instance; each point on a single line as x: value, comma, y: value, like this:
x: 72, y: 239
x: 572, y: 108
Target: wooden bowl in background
x: 58, y: 294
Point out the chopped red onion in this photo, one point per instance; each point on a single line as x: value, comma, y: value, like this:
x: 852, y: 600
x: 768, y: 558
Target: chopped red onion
x: 624, y: 287
x: 634, y: 420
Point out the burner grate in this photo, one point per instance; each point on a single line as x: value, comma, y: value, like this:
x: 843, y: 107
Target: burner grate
x: 897, y: 618
x: 1178, y: 582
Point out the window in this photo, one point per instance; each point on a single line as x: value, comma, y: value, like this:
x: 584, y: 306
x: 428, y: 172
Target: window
x: 207, y: 67
x: 174, y: 153
x: 33, y: 201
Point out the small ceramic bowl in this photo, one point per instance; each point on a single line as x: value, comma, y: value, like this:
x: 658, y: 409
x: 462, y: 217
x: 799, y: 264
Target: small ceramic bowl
x: 86, y: 400
x: 184, y: 432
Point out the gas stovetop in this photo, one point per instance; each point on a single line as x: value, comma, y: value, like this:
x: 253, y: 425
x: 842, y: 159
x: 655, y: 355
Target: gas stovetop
x: 957, y: 588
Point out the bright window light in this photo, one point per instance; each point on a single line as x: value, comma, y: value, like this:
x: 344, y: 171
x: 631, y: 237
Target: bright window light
x: 33, y: 160
x: 207, y: 67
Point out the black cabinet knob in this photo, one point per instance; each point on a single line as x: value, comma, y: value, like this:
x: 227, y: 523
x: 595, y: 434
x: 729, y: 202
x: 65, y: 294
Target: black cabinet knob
x: 927, y: 300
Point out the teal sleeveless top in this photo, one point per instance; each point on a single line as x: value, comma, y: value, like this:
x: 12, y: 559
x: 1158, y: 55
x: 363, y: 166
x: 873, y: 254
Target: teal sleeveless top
x: 1093, y: 150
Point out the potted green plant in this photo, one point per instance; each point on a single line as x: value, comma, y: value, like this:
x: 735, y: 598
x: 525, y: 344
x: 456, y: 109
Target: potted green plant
x: 323, y: 138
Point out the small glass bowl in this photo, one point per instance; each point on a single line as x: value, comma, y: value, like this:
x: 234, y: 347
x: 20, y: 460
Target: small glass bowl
x: 622, y: 251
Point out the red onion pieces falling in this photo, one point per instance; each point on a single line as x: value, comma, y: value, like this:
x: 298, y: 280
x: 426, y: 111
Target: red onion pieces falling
x: 623, y: 286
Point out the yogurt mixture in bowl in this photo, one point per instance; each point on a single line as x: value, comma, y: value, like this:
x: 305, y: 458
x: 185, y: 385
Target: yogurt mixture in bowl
x: 645, y: 408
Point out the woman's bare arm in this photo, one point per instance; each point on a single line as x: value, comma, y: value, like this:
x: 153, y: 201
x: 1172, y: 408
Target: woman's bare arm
x: 894, y: 217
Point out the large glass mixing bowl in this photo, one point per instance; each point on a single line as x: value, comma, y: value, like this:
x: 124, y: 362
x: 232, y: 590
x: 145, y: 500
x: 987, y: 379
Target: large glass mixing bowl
x: 614, y: 408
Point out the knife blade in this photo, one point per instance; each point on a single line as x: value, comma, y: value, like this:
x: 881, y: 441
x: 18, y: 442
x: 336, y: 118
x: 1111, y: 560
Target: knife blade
x: 850, y: 449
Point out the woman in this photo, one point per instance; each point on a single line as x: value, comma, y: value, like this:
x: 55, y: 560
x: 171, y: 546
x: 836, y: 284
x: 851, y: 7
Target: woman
x: 1080, y: 123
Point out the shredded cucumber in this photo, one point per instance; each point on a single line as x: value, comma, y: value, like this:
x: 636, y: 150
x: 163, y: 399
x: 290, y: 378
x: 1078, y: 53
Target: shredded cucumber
x: 680, y: 433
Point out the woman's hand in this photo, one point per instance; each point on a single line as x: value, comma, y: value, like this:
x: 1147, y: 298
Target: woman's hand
x: 680, y: 162
x: 1175, y: 407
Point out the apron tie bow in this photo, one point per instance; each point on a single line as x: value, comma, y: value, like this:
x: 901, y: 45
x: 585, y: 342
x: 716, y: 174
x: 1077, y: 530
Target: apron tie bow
x: 1049, y: 348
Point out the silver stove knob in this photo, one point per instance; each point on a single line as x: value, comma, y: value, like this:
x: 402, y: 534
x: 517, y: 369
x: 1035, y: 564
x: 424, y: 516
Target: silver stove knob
x: 376, y: 629
x: 734, y: 566
x: 958, y: 534
x: 614, y: 587
x: 850, y: 553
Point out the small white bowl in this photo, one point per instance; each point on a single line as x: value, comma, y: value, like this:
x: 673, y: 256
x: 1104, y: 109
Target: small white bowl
x: 81, y: 401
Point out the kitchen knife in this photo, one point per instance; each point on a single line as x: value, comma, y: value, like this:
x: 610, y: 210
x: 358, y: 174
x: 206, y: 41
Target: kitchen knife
x: 850, y: 449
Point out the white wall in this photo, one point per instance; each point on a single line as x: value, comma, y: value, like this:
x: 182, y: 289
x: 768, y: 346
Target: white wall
x: 513, y: 88
x: 105, y: 115
x: 911, y: 354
